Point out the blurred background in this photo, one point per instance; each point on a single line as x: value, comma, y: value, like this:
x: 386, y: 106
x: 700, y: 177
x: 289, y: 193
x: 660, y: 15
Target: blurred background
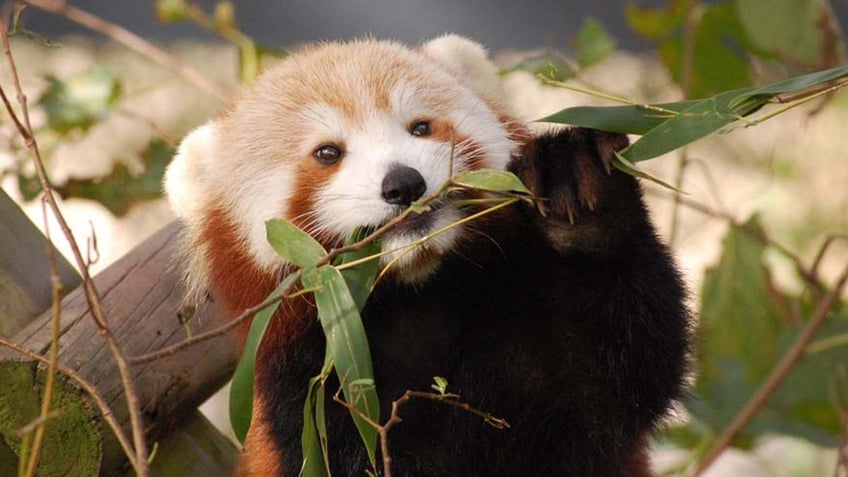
x: 108, y: 119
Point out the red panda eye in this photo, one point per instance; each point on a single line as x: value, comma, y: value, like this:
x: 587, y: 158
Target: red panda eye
x: 327, y: 154
x: 420, y: 128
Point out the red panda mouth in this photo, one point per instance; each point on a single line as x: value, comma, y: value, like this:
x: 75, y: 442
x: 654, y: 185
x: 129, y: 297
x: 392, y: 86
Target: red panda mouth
x: 416, y: 223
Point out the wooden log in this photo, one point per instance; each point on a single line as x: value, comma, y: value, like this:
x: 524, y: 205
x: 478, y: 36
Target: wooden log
x: 141, y: 296
x: 197, y: 450
x: 25, y: 289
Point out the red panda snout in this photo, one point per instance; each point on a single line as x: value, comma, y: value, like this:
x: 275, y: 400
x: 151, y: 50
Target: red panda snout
x: 403, y: 185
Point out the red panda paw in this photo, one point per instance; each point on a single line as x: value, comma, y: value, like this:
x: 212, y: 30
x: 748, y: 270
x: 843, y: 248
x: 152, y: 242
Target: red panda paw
x: 570, y: 169
x: 588, y: 205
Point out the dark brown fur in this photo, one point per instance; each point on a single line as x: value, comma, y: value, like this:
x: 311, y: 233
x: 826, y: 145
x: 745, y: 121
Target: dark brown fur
x: 572, y: 327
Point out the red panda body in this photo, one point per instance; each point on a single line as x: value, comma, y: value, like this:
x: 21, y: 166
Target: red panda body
x: 572, y: 327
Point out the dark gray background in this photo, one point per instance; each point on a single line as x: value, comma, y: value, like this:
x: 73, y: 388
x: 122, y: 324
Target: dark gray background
x: 498, y: 24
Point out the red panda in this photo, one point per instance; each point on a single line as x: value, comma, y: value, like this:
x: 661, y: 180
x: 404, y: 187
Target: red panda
x: 571, y: 326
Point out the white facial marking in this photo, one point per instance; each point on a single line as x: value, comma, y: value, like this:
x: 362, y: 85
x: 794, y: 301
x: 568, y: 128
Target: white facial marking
x: 374, y: 146
x: 245, y: 163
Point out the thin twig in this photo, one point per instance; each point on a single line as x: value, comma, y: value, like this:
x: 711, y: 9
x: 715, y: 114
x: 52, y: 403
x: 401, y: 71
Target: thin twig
x: 328, y: 259
x: 599, y: 94
x: 776, y: 377
x: 808, y: 275
x: 828, y: 241
x: 134, y: 42
x: 213, y: 333
x: 56, y: 324
x: 92, y: 391
x: 394, y: 418
x: 690, y: 8
x: 90, y: 290
x: 37, y: 423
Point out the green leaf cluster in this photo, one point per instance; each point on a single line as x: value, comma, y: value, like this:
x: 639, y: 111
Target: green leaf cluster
x: 339, y: 295
x: 81, y: 100
x: 669, y: 126
x: 340, y: 290
x: 746, y: 325
x: 707, y: 46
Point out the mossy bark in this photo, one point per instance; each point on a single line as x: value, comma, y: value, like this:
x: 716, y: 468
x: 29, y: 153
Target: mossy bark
x: 141, y: 296
x: 72, y: 438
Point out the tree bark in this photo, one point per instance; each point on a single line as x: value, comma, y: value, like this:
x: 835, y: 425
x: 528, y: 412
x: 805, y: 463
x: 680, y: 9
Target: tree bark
x: 141, y: 295
x: 25, y: 289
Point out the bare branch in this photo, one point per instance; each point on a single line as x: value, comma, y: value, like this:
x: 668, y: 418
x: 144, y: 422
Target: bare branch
x: 777, y: 375
x: 214, y: 333
x: 808, y: 275
x: 394, y: 417
x: 134, y: 42
x: 91, y: 294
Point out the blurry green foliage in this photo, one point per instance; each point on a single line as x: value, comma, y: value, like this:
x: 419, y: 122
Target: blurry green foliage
x: 119, y: 190
x: 711, y: 50
x: 746, y: 325
x: 81, y: 100
x: 548, y: 65
x: 723, y: 37
x: 593, y: 43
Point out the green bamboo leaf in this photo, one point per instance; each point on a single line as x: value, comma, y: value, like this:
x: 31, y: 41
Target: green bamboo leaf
x: 293, y: 244
x: 687, y: 121
x: 699, y: 120
x: 631, y: 119
x: 316, y: 462
x: 622, y: 164
x: 241, y: 390
x: 792, y: 85
x: 360, y: 279
x: 491, y: 180
x: 347, y: 346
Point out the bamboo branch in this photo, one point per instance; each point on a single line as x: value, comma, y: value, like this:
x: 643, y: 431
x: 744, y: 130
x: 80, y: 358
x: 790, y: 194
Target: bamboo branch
x: 56, y: 323
x: 328, y: 259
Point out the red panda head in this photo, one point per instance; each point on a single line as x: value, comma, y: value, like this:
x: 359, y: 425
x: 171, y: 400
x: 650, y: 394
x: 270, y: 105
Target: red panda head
x: 338, y: 136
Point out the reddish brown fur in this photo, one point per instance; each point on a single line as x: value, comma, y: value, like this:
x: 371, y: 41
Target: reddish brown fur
x: 638, y: 462
x: 260, y: 458
x: 235, y: 278
x: 310, y: 177
x: 238, y: 282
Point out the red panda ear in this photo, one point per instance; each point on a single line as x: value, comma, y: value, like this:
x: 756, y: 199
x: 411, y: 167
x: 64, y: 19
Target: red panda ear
x: 187, y: 174
x: 468, y: 61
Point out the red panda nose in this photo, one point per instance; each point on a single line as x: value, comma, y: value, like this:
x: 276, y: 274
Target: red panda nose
x: 403, y: 185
